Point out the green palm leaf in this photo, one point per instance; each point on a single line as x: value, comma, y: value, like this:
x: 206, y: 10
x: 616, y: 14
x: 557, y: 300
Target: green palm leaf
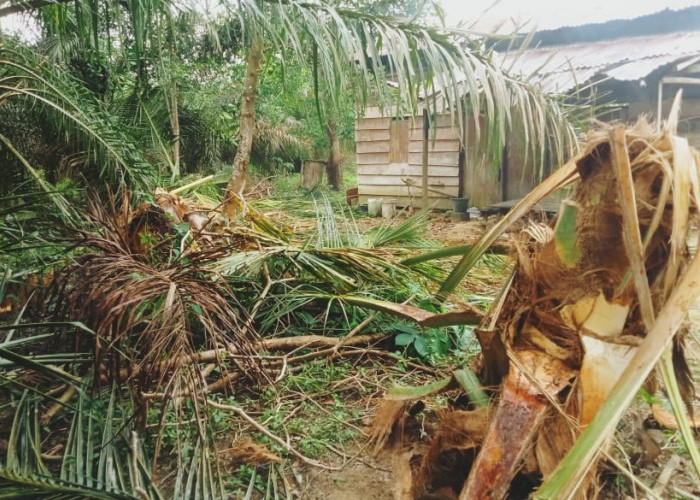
x: 356, y: 51
x: 75, y: 112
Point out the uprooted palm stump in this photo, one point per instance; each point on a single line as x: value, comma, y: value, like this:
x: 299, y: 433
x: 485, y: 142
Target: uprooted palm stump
x: 572, y: 318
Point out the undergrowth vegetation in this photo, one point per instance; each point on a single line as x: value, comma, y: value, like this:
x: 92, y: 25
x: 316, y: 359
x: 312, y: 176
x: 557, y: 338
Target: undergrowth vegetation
x: 165, y: 345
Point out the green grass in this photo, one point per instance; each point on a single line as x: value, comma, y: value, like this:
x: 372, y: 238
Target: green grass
x: 313, y: 407
x: 287, y: 186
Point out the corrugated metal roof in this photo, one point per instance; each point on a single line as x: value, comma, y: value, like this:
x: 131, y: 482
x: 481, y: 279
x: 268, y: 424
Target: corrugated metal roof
x: 562, y: 68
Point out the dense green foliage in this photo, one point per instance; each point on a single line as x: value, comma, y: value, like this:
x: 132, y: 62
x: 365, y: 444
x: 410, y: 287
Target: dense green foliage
x: 113, y: 79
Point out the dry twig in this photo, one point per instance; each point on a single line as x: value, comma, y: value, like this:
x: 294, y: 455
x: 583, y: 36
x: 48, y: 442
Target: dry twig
x: 241, y: 413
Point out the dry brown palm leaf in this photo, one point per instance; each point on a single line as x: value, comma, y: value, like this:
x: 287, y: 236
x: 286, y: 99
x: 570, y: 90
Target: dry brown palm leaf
x: 149, y: 310
x: 197, y: 215
x: 668, y: 420
x: 249, y: 452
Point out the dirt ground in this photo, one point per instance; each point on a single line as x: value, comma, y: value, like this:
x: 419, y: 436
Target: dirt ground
x: 365, y: 479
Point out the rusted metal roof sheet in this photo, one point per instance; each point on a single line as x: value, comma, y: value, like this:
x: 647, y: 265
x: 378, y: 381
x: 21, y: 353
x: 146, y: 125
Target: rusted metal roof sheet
x: 563, y: 68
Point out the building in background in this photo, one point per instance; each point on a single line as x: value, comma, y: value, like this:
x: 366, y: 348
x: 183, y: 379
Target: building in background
x: 631, y: 67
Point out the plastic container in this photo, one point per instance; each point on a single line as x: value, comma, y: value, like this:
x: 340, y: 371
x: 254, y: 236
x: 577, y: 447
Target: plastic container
x: 374, y: 207
x: 474, y: 213
x: 388, y: 209
x: 460, y: 205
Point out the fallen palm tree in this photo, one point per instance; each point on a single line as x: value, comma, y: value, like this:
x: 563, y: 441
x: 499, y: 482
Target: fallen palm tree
x: 594, y: 302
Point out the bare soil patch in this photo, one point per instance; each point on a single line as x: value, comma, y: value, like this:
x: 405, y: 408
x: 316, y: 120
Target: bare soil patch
x: 366, y: 479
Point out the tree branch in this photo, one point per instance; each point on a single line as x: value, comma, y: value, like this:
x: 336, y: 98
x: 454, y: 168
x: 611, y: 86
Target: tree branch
x: 27, y: 6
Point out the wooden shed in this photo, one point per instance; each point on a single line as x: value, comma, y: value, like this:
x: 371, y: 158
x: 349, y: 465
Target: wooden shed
x: 390, y: 159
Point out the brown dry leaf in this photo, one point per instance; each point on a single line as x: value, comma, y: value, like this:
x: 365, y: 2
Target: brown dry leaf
x: 249, y: 452
x: 552, y: 445
x: 171, y: 204
x: 650, y: 448
x: 403, y: 477
x: 388, y: 414
x: 667, y: 420
x: 148, y: 227
x: 452, y: 449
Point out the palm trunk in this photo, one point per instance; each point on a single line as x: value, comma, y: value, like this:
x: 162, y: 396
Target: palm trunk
x: 175, y: 129
x: 576, y: 308
x: 239, y: 170
x: 333, y: 170
x: 173, y: 108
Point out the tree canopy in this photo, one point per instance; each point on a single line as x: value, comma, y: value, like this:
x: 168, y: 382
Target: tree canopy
x: 166, y: 76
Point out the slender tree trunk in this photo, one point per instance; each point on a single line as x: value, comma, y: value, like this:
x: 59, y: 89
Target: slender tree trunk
x: 172, y: 99
x: 236, y: 183
x: 333, y: 170
x: 175, y: 129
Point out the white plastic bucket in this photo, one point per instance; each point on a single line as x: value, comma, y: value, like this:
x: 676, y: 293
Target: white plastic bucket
x: 388, y: 209
x: 374, y: 207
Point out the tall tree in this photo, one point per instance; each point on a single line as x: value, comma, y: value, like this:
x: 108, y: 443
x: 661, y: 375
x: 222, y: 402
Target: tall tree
x: 236, y: 182
x: 334, y: 172
x: 171, y: 97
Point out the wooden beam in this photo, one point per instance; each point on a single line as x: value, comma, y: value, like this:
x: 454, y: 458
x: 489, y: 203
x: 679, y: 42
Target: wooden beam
x: 426, y: 129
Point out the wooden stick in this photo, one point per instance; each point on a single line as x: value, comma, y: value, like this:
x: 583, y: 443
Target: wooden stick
x: 58, y: 404
x: 285, y: 343
x: 281, y: 344
x: 260, y: 428
x: 191, y: 185
x: 354, y: 332
x: 662, y: 481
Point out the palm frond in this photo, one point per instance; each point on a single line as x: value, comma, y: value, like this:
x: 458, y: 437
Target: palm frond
x: 334, y: 228
x: 355, y: 51
x: 409, y: 233
x: 144, y: 302
x: 31, y: 486
x: 88, y: 470
x: 75, y: 112
x: 273, y: 142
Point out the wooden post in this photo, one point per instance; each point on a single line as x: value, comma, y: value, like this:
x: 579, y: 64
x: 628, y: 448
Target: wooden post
x: 426, y: 128
x: 504, y: 173
x: 464, y: 140
x: 312, y: 173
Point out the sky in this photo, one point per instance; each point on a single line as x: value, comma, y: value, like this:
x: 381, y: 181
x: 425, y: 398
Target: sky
x: 548, y: 14
x: 506, y: 15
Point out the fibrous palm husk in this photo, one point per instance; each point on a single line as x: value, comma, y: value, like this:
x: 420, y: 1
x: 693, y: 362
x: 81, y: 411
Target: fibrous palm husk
x: 581, y: 306
x: 585, y: 295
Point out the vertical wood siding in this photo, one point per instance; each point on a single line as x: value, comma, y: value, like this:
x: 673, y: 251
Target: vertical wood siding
x: 389, y: 160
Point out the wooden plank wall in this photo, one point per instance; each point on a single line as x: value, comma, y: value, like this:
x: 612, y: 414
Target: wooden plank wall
x: 379, y: 177
x: 482, y: 179
x: 519, y: 179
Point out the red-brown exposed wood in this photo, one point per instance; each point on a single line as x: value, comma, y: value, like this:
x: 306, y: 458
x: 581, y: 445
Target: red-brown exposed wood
x: 520, y: 413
